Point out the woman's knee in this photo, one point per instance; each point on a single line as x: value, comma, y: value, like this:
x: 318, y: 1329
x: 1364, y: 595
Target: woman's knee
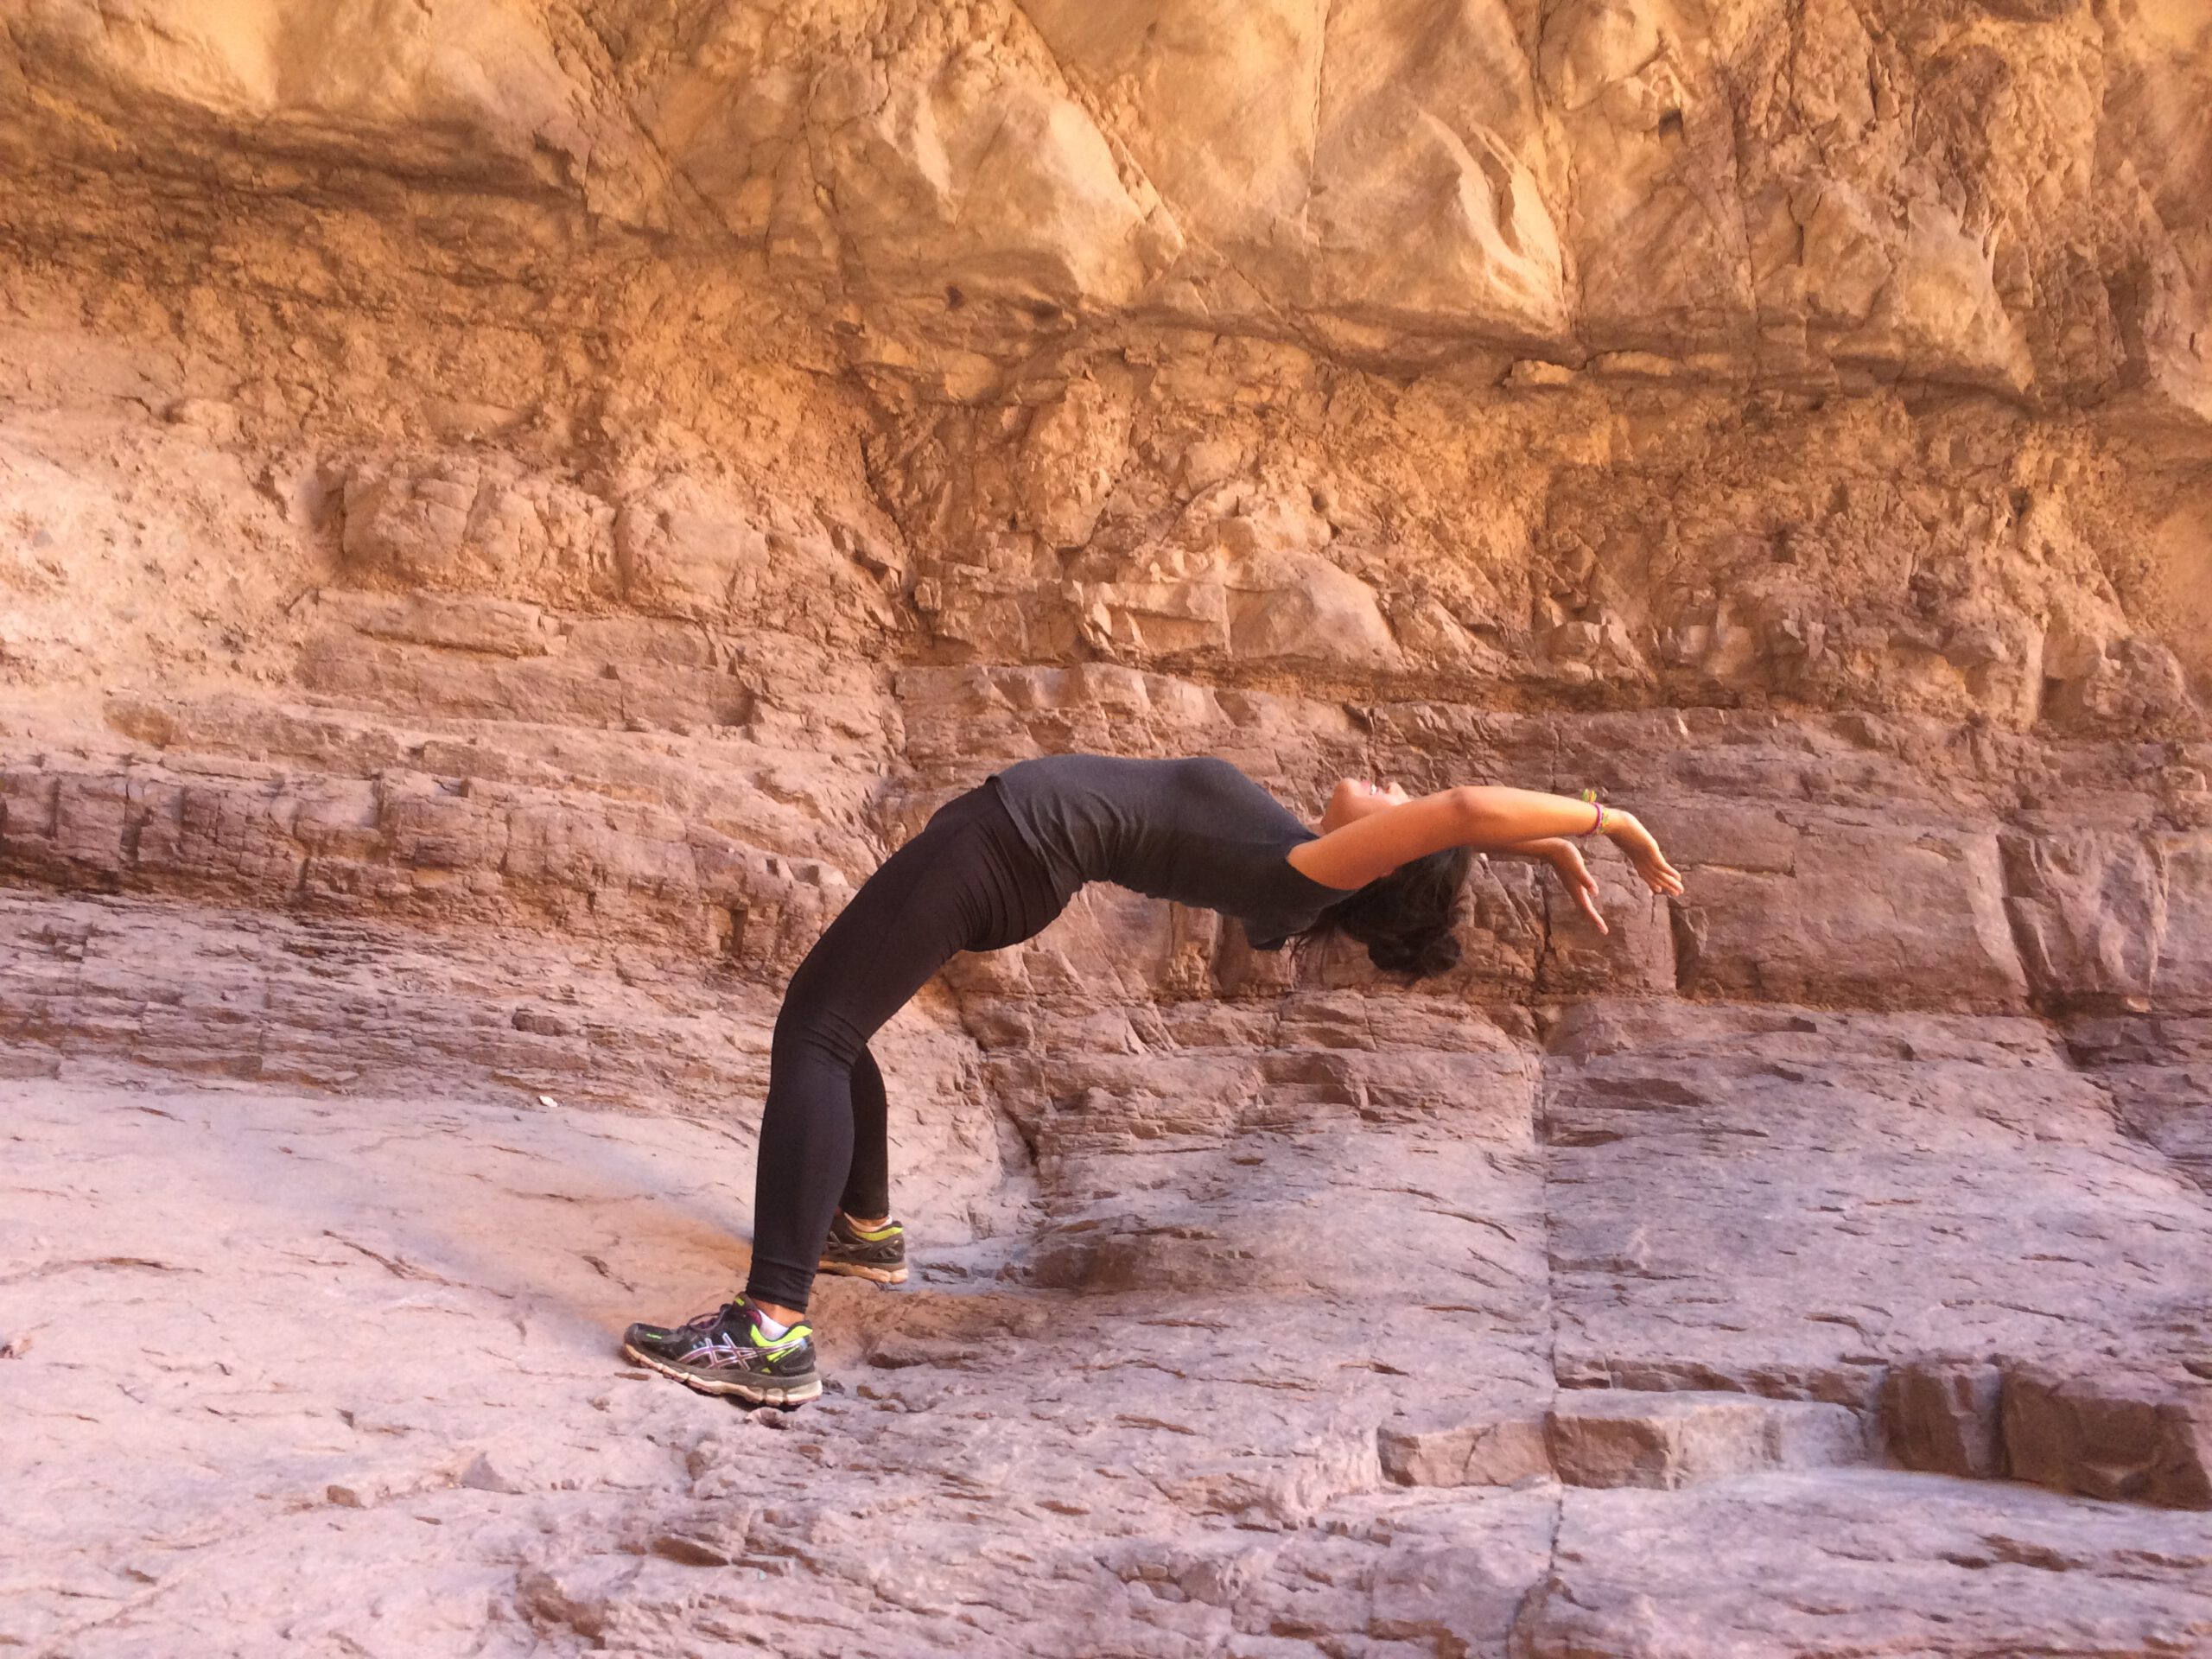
x: 816, y: 1035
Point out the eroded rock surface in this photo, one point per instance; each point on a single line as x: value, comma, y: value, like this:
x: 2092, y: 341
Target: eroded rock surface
x: 509, y: 511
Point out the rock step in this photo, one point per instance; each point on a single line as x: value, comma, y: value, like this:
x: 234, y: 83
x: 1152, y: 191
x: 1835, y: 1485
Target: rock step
x: 2122, y: 1432
x: 2130, y: 1433
x: 1609, y: 1437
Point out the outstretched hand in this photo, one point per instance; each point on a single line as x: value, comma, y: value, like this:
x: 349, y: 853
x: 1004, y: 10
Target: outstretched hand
x: 1627, y: 832
x: 1565, y: 859
x: 1634, y: 840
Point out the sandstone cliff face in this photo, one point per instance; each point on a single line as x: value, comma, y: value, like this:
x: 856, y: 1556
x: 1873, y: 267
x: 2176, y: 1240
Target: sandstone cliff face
x: 509, y: 511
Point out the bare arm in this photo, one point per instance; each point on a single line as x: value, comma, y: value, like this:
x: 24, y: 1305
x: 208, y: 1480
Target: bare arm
x: 1487, y: 818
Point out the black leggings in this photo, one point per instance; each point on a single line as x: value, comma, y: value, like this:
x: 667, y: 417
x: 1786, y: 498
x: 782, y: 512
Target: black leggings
x: 967, y: 882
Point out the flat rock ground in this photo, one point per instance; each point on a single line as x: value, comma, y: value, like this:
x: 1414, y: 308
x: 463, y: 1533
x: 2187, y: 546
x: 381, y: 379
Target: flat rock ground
x: 309, y: 1372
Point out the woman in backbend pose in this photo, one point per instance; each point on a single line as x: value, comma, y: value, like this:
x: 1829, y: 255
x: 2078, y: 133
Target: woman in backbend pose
x: 992, y: 868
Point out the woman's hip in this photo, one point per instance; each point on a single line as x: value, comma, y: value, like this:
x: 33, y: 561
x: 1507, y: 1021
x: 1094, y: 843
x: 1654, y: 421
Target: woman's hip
x: 966, y: 881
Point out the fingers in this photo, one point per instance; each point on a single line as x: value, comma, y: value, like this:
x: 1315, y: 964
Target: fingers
x: 1657, y: 872
x: 1587, y: 898
x: 1574, y: 875
x: 1643, y: 856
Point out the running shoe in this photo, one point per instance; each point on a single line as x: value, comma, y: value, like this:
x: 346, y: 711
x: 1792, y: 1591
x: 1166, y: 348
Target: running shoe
x: 879, y: 1254
x: 727, y: 1352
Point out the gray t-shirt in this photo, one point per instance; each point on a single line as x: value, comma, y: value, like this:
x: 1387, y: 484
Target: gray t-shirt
x: 1199, y: 832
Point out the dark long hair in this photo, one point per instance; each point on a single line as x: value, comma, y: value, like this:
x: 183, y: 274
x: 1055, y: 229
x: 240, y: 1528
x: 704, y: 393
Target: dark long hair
x: 1404, y: 919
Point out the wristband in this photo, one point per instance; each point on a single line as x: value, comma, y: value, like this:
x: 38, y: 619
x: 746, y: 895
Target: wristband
x: 1597, y: 827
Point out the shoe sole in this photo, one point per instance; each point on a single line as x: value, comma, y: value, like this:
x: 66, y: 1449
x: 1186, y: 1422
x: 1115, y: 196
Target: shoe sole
x: 797, y: 1392
x: 856, y: 1270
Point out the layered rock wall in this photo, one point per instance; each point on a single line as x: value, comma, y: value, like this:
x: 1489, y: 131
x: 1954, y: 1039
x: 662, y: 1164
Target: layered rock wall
x: 508, y: 512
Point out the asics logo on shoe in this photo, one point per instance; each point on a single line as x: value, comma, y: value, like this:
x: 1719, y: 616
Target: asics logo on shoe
x: 728, y: 1350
